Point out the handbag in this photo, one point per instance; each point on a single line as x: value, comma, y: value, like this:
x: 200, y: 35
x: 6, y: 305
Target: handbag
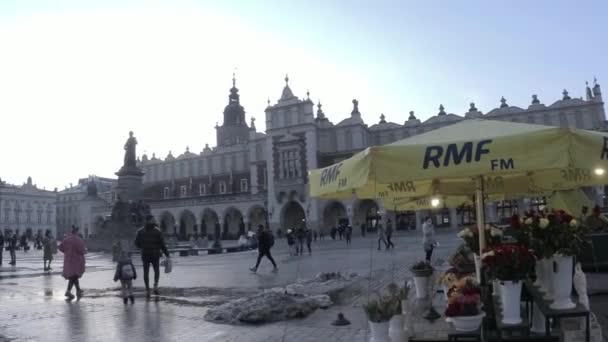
x: 168, y: 265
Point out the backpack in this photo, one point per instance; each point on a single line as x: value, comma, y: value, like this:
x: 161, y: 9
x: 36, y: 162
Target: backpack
x: 126, y: 271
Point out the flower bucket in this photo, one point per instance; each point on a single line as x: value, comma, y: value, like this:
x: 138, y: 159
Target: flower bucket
x: 510, y: 295
x: 496, y: 287
x: 538, y: 320
x: 467, y: 323
x: 422, y: 286
x: 477, y: 260
x: 408, y: 323
x: 562, y: 283
x: 395, y: 329
x: 379, y: 332
x: 548, y: 278
x: 538, y: 269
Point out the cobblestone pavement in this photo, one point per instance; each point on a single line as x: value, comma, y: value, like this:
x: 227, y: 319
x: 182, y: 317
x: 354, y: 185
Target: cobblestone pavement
x: 34, y: 309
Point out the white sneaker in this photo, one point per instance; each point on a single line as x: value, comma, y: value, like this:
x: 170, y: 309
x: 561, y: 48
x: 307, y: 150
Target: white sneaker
x: 253, y: 269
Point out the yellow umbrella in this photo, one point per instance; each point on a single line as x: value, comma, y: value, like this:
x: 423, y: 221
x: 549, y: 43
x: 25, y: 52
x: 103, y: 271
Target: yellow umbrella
x: 571, y: 201
x: 465, y: 158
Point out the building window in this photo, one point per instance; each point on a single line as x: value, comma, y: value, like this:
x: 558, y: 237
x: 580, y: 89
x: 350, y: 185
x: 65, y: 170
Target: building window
x: 222, y: 186
x: 48, y: 217
x: 166, y: 192
x: 28, y: 217
x: 442, y: 217
x: 183, y: 191
x: 538, y: 204
x: 40, y: 217
x: 6, y: 215
x: 244, y: 185
x: 505, y: 210
x: 290, y: 164
x: 202, y: 189
x: 265, y: 178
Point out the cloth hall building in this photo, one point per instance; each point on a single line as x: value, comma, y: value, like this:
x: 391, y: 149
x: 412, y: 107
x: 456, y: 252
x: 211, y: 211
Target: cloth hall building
x: 253, y: 177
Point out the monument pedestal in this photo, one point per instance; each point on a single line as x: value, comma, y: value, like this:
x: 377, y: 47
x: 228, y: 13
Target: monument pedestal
x: 130, y: 184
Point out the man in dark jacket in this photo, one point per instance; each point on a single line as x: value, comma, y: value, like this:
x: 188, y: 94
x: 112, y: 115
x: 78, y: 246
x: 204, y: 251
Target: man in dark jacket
x: 265, y: 243
x: 151, y: 243
x: 1, y: 246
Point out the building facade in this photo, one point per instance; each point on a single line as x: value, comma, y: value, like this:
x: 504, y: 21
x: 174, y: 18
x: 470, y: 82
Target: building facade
x: 27, y: 208
x: 252, y: 177
x: 75, y: 204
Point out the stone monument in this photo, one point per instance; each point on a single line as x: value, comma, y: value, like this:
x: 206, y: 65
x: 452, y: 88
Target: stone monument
x: 129, y: 212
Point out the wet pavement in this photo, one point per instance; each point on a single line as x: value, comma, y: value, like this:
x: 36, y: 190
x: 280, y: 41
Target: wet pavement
x: 33, y: 307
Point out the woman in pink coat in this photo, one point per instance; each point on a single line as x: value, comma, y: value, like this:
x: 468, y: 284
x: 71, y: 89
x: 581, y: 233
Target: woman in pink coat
x: 73, y: 261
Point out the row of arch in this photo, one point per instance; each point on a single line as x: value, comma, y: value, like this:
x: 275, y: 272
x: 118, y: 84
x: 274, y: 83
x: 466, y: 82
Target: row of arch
x: 231, y: 223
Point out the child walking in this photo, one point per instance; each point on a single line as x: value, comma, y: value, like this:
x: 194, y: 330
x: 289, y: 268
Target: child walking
x: 125, y: 272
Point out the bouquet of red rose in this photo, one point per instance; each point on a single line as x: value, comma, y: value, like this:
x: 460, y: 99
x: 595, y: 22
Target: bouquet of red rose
x: 508, y: 262
x: 464, y: 299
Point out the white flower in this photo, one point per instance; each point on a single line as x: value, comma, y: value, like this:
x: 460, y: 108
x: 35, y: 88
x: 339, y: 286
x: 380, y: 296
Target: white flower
x: 543, y: 223
x: 495, y: 232
x: 487, y: 254
x: 465, y: 233
x: 573, y: 223
x: 528, y: 220
x: 521, y: 220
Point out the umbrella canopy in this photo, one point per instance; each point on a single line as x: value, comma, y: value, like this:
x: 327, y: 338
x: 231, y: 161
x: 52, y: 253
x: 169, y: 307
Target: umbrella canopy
x: 511, y: 158
x: 571, y: 201
x: 447, y: 201
x: 472, y: 156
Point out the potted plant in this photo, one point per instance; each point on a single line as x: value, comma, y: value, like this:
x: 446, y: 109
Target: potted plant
x: 510, y: 264
x: 379, y: 310
x: 470, y: 235
x: 556, y: 237
x: 422, y: 271
x: 396, y: 323
x: 464, y: 305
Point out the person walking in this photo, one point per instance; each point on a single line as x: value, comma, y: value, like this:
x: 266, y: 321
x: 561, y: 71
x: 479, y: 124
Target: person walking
x: 150, y: 241
x: 301, y: 237
x: 349, y: 234
x: 265, y: 243
x: 309, y: 240
x: 12, y: 248
x: 73, y: 249
x: 381, y: 236
x: 291, y: 242
x: 428, y: 238
x: 126, y: 273
x: 389, y: 234
x: 49, y: 248
x: 1, y: 246
x: 362, y: 230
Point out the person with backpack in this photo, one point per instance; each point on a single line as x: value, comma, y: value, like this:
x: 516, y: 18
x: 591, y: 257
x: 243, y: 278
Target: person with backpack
x: 265, y: 243
x: 150, y: 241
x: 49, y: 248
x: 125, y: 272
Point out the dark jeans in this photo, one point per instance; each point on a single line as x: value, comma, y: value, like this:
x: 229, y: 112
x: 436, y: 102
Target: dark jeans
x: 381, y: 239
x: 389, y: 243
x: 429, y: 253
x: 13, y: 256
x: 155, y: 261
x: 73, y: 282
x: 308, y: 245
x: 262, y: 253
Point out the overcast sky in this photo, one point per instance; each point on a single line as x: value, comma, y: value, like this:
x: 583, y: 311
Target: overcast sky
x: 76, y: 76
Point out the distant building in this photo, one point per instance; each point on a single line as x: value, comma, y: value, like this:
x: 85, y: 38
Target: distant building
x: 27, y: 208
x: 251, y: 177
x: 75, y: 204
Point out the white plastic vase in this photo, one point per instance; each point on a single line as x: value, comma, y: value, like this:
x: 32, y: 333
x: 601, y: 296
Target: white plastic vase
x: 477, y: 261
x: 395, y: 329
x: 538, y: 268
x: 548, y: 278
x: 562, y: 283
x: 408, y: 323
x: 379, y: 332
x: 538, y: 320
x: 510, y: 295
x: 422, y: 286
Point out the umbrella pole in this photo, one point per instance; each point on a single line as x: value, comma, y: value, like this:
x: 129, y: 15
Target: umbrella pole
x: 480, y: 212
